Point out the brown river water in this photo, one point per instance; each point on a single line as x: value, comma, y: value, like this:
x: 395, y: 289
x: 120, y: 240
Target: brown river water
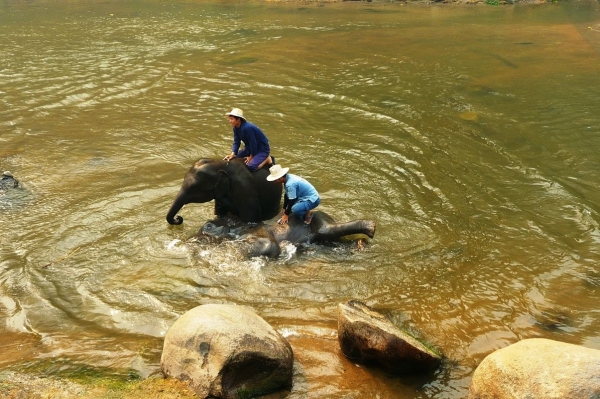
x: 470, y: 133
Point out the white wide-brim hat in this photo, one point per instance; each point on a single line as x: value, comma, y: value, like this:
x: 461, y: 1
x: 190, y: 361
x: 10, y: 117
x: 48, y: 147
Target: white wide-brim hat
x: 236, y: 112
x: 276, y: 171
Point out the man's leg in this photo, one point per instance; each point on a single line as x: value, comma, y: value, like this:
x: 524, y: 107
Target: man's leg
x: 304, y: 210
x: 309, y: 214
x: 243, y: 153
x: 258, y: 161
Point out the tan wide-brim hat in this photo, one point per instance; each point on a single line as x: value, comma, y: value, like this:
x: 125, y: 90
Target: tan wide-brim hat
x: 276, y: 171
x: 236, y: 112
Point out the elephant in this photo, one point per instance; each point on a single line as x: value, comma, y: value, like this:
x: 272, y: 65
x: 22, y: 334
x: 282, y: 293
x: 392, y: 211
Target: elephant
x: 263, y: 239
x: 235, y: 189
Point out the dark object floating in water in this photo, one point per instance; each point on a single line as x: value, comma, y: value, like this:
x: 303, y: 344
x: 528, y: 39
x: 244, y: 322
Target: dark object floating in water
x: 505, y: 61
x: 553, y: 319
x: 241, y: 60
x: 13, y: 193
x: 8, y: 181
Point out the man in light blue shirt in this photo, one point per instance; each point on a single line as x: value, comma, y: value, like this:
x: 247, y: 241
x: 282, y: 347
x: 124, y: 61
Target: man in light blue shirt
x: 300, y: 196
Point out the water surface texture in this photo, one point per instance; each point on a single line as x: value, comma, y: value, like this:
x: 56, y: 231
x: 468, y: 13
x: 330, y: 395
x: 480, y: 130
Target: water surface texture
x: 470, y: 133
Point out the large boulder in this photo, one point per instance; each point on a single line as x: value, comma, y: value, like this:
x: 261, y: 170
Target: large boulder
x: 367, y: 336
x: 227, y: 351
x: 538, y: 368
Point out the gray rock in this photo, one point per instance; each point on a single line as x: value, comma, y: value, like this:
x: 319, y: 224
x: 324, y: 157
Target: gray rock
x: 227, y: 351
x: 538, y: 368
x: 8, y: 181
x: 367, y: 336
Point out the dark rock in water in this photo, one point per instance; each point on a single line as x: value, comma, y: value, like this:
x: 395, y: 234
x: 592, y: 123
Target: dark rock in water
x: 8, y: 181
x: 553, y: 318
x: 367, y: 336
x: 13, y: 194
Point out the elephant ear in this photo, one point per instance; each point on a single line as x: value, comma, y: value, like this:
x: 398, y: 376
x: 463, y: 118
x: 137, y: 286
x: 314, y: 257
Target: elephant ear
x: 223, y: 184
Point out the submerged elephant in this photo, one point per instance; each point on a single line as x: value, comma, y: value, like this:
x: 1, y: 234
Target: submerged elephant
x: 234, y: 188
x: 264, y: 239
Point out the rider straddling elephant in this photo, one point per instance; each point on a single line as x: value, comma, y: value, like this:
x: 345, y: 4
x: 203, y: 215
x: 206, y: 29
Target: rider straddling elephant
x: 300, y: 196
x: 256, y: 149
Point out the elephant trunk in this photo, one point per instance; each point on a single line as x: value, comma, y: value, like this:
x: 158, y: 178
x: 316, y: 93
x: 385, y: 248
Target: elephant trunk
x: 172, y: 216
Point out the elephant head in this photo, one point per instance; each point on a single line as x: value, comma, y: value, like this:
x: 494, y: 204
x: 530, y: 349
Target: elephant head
x: 234, y: 188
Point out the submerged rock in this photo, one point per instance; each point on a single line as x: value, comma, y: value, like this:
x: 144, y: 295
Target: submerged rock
x: 538, y: 368
x: 227, y: 351
x: 13, y: 193
x: 8, y: 181
x: 468, y: 116
x: 367, y: 336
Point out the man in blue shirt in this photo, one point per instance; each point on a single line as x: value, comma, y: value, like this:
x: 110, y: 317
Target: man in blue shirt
x: 300, y: 196
x: 256, y: 145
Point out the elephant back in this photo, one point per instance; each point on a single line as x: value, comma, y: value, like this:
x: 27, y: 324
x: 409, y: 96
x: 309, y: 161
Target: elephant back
x: 249, y: 188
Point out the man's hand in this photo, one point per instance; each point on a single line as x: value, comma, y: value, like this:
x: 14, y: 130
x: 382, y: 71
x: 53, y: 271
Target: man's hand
x: 229, y: 157
x: 283, y: 219
x: 248, y: 159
